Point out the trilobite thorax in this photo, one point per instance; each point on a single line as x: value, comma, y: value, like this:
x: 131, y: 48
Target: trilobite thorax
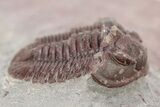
x: 57, y: 58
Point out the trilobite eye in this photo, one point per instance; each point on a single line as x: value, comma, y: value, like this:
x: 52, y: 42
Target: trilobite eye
x: 120, y: 59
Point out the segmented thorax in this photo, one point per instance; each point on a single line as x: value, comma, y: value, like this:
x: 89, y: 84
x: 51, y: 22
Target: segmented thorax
x: 59, y: 57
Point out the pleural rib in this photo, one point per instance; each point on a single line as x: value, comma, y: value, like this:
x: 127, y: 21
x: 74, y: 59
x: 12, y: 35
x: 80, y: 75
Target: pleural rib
x: 59, y: 57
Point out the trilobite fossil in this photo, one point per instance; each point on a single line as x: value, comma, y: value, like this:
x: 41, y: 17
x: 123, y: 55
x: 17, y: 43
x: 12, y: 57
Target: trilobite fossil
x: 112, y: 55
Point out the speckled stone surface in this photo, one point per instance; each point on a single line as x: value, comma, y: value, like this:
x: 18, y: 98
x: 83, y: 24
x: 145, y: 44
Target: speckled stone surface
x: 22, y: 21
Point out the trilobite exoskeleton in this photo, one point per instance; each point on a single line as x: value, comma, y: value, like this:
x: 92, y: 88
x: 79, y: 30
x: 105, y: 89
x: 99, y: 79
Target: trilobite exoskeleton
x: 112, y: 55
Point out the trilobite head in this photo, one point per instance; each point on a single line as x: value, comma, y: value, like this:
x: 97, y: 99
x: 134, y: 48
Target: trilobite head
x: 123, y: 61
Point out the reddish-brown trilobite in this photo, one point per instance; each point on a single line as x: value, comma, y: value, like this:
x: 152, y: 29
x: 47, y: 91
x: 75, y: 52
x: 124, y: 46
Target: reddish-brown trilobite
x: 112, y: 55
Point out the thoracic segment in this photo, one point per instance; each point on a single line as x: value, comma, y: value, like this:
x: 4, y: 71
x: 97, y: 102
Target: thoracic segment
x: 67, y: 35
x: 48, y: 71
x: 77, y: 46
x: 57, y: 59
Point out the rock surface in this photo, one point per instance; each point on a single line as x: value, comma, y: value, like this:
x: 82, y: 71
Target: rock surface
x: 23, y: 21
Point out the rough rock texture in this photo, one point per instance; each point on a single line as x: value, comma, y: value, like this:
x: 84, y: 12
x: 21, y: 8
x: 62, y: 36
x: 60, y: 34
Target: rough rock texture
x: 23, y: 21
